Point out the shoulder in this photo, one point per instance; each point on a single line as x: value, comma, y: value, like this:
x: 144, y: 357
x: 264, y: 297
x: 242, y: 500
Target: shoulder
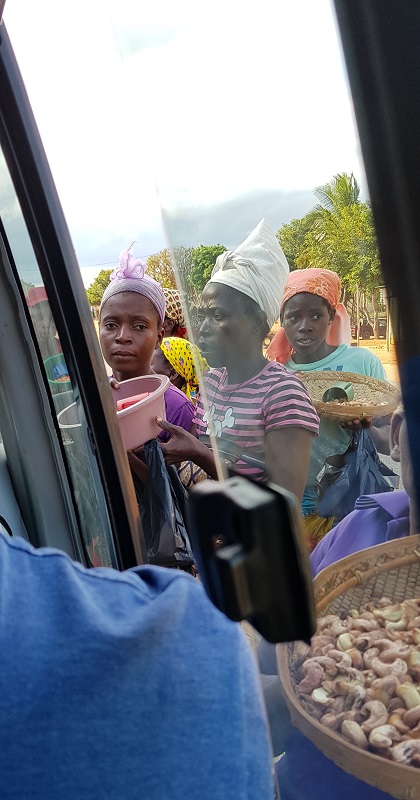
x: 102, y: 598
x: 175, y: 397
x: 277, y: 375
x: 213, y: 377
x: 364, y: 361
x: 281, y: 382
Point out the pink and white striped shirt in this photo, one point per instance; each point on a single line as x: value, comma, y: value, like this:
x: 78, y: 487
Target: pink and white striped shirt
x: 243, y: 413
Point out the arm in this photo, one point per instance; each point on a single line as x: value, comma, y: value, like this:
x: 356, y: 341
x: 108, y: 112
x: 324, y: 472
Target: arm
x: 379, y: 431
x: 380, y: 437
x: 184, y: 446
x: 287, y: 452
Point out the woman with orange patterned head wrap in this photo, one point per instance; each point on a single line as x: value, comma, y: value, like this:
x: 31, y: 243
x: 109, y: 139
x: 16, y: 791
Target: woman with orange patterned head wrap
x: 326, y: 285
x: 315, y: 336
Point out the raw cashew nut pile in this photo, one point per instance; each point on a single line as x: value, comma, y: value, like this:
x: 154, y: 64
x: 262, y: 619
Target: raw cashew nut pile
x: 361, y: 678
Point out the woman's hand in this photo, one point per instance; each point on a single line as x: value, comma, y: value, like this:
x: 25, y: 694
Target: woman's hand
x: 379, y: 431
x: 357, y: 424
x: 184, y: 446
x: 114, y: 383
x: 181, y: 446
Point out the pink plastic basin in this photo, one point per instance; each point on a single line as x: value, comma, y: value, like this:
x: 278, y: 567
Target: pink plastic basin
x: 137, y: 422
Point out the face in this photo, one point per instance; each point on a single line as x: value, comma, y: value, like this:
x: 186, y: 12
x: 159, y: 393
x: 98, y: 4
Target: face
x: 161, y: 364
x: 226, y: 330
x: 129, y: 331
x: 168, y: 326
x: 306, y: 321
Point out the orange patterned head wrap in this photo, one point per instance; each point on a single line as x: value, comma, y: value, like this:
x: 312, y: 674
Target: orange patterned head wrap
x: 175, y: 311
x: 326, y: 284
x: 323, y: 282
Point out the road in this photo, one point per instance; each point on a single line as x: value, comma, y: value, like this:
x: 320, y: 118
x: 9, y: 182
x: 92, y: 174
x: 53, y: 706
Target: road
x: 388, y: 357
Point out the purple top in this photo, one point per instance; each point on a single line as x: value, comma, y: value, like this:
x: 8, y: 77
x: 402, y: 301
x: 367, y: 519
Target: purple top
x: 179, y: 410
x: 376, y: 518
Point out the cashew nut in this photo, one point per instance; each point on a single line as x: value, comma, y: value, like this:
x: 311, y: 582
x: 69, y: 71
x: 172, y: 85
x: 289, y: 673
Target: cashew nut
x: 404, y: 752
x: 397, y: 668
x: 369, y: 655
x: 383, y: 689
x: 408, y: 694
x: 396, y: 721
x: 332, y: 720
x: 391, y: 613
x: 356, y: 697
x: 344, y: 641
x: 353, y: 732
x: 328, y: 665
x: 384, y: 736
x: 376, y: 713
x: 313, y: 678
x: 412, y: 716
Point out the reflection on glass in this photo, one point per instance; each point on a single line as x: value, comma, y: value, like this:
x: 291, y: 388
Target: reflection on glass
x: 88, y: 493
x: 239, y: 169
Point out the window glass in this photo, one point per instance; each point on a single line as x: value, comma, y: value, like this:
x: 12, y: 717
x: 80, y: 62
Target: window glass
x: 243, y: 114
x: 71, y: 421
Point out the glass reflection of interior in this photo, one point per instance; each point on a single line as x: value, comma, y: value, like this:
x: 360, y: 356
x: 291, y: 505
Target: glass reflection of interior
x: 70, y: 416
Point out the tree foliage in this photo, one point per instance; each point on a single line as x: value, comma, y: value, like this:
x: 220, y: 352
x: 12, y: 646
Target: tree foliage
x: 337, y: 234
x: 203, y: 261
x: 292, y: 238
x: 97, y: 288
x: 341, y: 192
x: 159, y: 267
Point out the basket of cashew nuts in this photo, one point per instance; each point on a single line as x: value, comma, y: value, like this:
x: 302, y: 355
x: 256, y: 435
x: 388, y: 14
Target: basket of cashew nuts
x: 355, y: 690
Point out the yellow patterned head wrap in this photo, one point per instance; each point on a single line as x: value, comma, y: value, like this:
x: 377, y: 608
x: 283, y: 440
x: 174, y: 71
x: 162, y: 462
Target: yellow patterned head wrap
x: 183, y: 357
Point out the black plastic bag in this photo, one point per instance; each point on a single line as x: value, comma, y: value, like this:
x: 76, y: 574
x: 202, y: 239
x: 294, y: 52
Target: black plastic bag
x: 343, y: 478
x: 162, y: 508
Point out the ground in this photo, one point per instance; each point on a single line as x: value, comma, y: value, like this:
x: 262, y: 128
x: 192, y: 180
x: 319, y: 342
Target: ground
x: 388, y: 357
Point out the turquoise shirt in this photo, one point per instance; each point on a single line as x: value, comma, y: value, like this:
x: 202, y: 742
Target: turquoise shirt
x: 333, y: 439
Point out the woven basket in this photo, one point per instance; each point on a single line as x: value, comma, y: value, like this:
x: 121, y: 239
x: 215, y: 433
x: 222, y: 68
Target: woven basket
x: 372, y: 396
x: 387, y: 570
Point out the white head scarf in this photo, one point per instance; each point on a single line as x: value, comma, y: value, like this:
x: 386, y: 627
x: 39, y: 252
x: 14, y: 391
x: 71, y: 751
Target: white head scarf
x: 257, y: 268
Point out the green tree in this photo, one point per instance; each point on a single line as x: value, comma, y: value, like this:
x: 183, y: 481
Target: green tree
x: 203, y: 261
x: 292, y: 238
x: 159, y: 267
x: 97, y: 288
x: 337, y: 234
x: 341, y: 192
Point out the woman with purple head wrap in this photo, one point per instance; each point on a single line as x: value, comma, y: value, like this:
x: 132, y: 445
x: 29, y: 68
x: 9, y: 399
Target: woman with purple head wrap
x: 131, y: 318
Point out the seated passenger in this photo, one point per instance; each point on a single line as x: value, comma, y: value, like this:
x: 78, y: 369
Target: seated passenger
x: 376, y: 518
x: 256, y: 407
x: 123, y: 685
x: 131, y: 317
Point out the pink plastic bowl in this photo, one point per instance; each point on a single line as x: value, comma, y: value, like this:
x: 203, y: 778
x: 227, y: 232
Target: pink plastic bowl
x: 137, y: 423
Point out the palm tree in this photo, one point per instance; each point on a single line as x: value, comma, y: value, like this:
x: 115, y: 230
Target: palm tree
x: 337, y: 200
x: 342, y: 191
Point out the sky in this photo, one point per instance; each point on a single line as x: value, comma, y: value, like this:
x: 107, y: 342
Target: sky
x: 184, y: 123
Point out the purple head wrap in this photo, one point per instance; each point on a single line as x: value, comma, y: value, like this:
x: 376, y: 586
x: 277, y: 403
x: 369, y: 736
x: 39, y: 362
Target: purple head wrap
x: 129, y: 277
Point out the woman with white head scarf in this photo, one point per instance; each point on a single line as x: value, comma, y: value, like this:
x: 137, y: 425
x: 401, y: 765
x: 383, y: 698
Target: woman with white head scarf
x: 256, y: 408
